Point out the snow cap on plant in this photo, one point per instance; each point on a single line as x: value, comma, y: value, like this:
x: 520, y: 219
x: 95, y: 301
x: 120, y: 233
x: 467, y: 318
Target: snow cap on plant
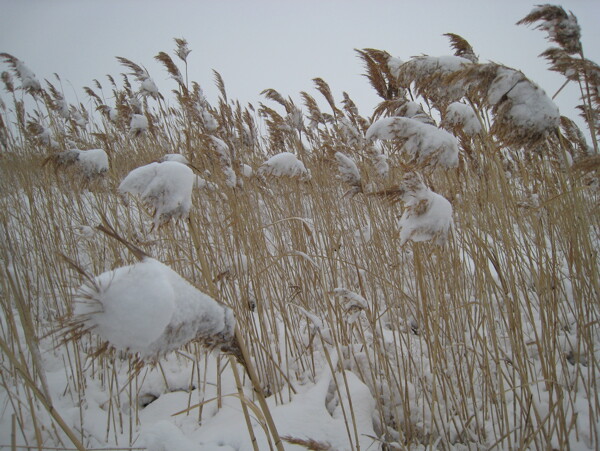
x: 138, y: 124
x: 401, y: 107
x: 224, y: 154
x: 349, y: 173
x: 284, y: 164
x: 165, y: 187
x: 427, y: 215
x: 425, y: 73
x: 562, y: 28
x: 147, y: 86
x: 41, y: 134
x: 90, y: 163
x: 462, y: 117
x: 382, y: 72
x: 427, y: 144
x: 8, y: 81
x: 523, y: 113
x: 58, y: 102
x: 182, y: 50
x: 29, y: 81
x: 147, y: 310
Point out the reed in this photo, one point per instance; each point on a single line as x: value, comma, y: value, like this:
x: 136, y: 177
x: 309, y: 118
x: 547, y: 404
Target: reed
x: 482, y: 333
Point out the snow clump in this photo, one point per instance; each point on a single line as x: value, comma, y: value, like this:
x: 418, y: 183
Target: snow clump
x: 427, y: 144
x: 427, y: 72
x: 461, y: 115
x: 561, y: 27
x: 149, y: 309
x: 166, y: 187
x: 91, y: 163
x: 148, y: 88
x: 138, y: 124
x: 427, y: 215
x: 349, y: 173
x: 521, y: 105
x: 284, y: 164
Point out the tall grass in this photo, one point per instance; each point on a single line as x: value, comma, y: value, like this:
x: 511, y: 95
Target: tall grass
x: 488, y: 342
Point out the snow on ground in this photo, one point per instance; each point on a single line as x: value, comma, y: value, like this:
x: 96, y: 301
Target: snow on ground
x: 174, y: 416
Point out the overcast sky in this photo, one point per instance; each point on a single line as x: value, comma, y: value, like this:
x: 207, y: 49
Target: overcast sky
x: 259, y: 44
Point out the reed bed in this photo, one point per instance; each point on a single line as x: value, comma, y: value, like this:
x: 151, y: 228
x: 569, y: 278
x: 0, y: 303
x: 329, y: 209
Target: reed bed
x: 486, y: 340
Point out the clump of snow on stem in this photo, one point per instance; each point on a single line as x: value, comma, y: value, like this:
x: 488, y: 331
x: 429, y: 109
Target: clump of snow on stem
x: 354, y: 299
x: 461, y: 115
x: 209, y: 120
x: 149, y: 309
x: 426, y: 73
x: 247, y: 171
x: 222, y: 150
x: 138, y: 124
x: 380, y: 162
x: 61, y: 106
x: 148, y: 88
x: 349, y: 173
x: 166, y: 187
x: 29, y: 81
x: 90, y: 163
x: 523, y: 113
x: 427, y: 215
x: 561, y: 27
x: 42, y: 134
x: 428, y: 145
x: 349, y: 131
x: 414, y: 111
x: 284, y: 164
x: 394, y: 64
x: 522, y: 104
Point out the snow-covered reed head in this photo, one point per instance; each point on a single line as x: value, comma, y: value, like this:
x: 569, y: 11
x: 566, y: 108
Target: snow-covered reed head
x: 426, y: 144
x: 382, y: 72
x: 41, y: 134
x: 284, y: 164
x: 166, y: 187
x: 148, y: 310
x: 349, y: 173
x: 29, y: 81
x: 427, y: 216
x: 523, y: 113
x: 425, y: 73
x: 8, y: 81
x: 147, y: 86
x: 460, y: 118
x: 562, y: 28
x: 138, y: 124
x: 90, y: 163
x: 182, y: 50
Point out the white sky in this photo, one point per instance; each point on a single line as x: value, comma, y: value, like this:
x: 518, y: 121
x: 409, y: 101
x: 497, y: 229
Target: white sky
x: 259, y: 44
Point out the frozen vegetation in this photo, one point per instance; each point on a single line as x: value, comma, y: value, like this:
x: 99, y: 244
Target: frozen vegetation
x: 183, y: 273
